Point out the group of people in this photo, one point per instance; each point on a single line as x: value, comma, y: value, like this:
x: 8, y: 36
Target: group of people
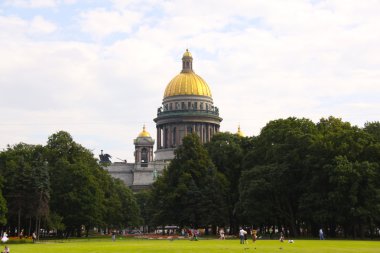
x: 193, y: 234
x: 243, y: 235
x: 4, y: 239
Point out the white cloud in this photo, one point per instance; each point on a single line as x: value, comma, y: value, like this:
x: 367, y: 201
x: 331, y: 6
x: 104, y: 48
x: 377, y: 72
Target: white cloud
x: 70, y: 1
x: 41, y: 25
x: 101, y: 23
x: 32, y: 3
x: 12, y: 27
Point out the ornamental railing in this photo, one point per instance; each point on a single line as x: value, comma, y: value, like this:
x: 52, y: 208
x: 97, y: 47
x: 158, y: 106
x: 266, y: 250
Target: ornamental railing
x: 213, y: 111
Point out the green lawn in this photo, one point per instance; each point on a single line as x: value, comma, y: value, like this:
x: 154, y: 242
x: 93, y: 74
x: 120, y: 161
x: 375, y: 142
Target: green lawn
x: 201, y: 246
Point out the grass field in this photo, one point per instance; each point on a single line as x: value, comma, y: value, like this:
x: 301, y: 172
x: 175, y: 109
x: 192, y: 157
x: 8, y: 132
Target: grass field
x: 201, y: 246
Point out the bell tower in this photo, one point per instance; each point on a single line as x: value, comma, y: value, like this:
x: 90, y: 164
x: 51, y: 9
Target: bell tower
x: 143, y: 148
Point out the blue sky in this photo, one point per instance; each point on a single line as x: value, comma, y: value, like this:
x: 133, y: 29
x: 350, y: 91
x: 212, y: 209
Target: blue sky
x: 98, y: 69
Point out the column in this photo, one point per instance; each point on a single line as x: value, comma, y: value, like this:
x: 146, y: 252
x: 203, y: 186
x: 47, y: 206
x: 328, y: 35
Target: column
x: 201, y: 131
x: 177, y: 135
x: 137, y: 155
x: 208, y: 132
x: 170, y: 136
x: 158, y: 138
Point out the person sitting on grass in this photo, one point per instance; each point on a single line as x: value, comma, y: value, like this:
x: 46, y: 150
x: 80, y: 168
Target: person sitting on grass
x: 6, y: 249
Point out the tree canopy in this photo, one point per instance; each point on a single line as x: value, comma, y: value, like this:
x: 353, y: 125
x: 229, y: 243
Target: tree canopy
x: 191, y: 192
x: 62, y: 186
x: 296, y: 176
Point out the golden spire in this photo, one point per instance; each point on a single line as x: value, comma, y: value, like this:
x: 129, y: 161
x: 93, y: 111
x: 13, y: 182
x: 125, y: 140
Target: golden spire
x: 239, y: 132
x: 144, y: 133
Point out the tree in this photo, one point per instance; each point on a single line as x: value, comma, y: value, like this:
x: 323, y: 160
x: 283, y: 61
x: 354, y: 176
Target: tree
x: 372, y: 150
x: 76, y: 193
x: 338, y: 147
x: 279, y: 160
x: 3, y: 206
x: 144, y: 200
x: 191, y: 191
x: 373, y: 128
x: 227, y: 151
x: 121, y: 208
x: 83, y: 193
x: 26, y: 185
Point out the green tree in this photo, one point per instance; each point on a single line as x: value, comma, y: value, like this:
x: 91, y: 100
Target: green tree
x: 76, y: 193
x: 144, y: 200
x: 373, y: 128
x: 372, y: 150
x: 121, y: 208
x: 83, y: 193
x: 227, y: 151
x: 280, y: 161
x: 26, y: 185
x: 3, y: 206
x: 343, y: 149
x: 190, y: 192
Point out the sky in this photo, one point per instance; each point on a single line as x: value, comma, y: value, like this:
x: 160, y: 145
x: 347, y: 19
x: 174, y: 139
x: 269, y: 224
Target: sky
x: 98, y: 69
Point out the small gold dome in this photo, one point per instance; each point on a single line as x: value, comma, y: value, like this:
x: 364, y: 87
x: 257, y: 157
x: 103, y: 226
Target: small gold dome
x: 239, y: 132
x: 187, y: 54
x: 187, y: 84
x: 144, y: 133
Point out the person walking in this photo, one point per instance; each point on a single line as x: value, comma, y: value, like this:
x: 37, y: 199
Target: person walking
x: 254, y: 235
x: 321, y: 236
x: 221, y: 233
x: 113, y: 235
x: 281, y: 236
x: 34, y: 237
x: 4, y: 239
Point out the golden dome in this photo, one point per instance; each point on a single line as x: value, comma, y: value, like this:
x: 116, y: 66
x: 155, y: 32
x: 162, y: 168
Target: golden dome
x: 144, y: 133
x: 187, y: 82
x: 239, y: 132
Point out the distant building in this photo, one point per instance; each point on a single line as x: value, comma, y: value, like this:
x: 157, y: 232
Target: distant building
x: 187, y: 107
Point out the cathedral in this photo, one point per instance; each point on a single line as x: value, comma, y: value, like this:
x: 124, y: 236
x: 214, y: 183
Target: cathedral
x: 187, y: 107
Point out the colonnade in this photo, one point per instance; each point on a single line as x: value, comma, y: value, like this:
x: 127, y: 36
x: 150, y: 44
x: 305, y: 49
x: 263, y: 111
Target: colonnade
x: 171, y: 135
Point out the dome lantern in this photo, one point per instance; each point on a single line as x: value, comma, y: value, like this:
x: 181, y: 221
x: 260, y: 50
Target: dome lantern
x: 187, y: 62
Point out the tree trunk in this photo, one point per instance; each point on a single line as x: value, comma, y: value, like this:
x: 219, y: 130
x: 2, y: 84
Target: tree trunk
x: 18, y: 221
x: 30, y: 225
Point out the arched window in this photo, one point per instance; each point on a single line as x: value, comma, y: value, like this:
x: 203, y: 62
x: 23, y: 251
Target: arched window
x: 144, y: 156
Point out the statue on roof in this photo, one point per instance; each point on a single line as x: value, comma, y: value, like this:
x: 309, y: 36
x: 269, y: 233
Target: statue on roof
x: 104, y: 158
